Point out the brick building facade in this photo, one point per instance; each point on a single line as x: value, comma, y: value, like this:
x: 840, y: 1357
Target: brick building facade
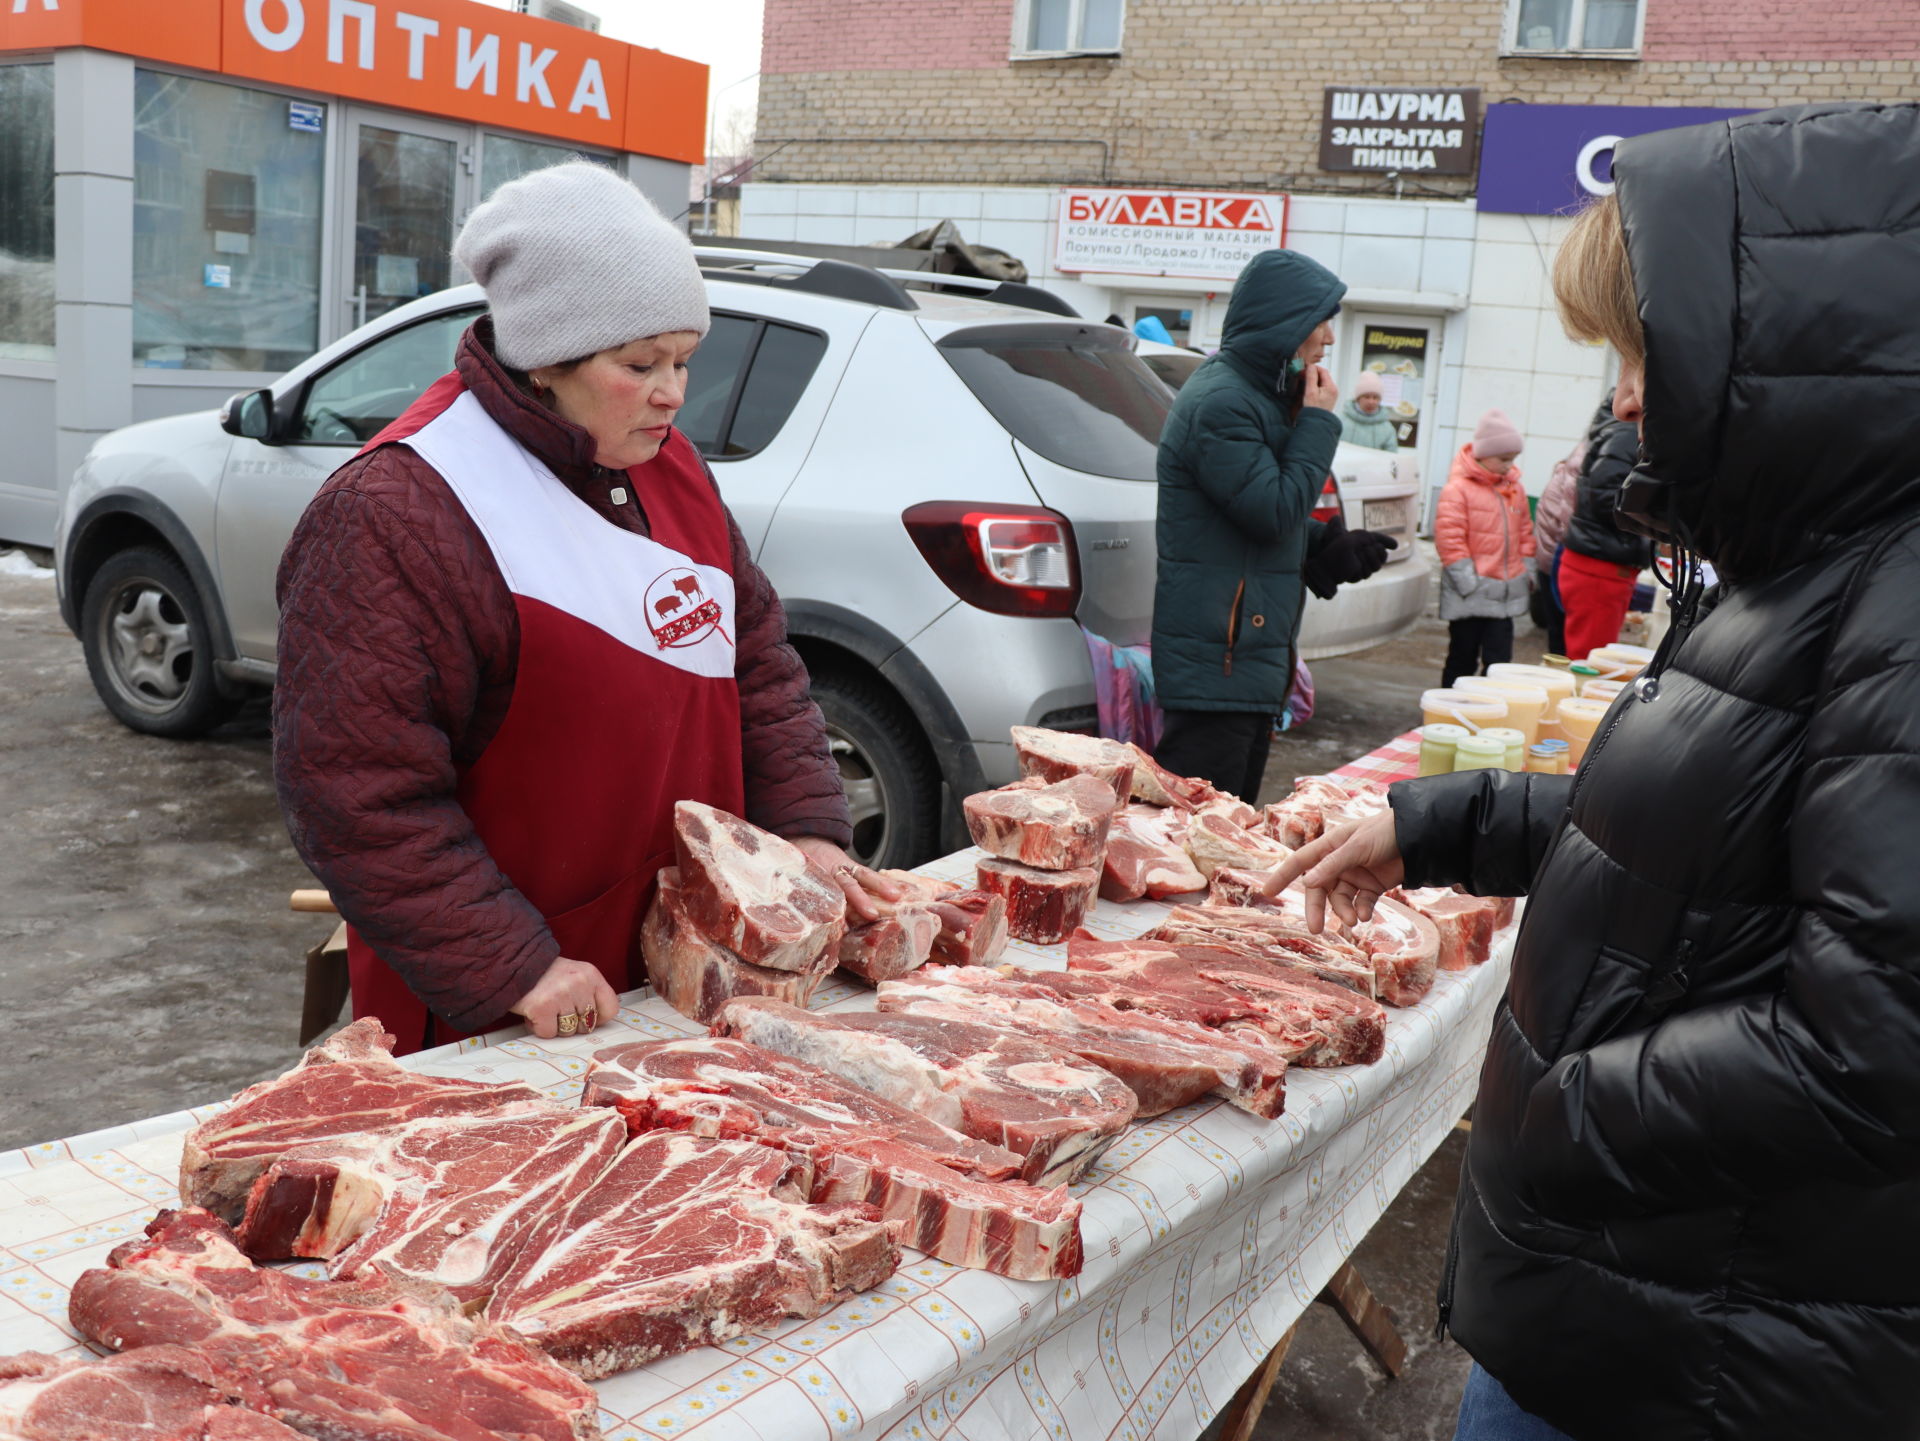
x: 878, y: 117
x: 1226, y: 93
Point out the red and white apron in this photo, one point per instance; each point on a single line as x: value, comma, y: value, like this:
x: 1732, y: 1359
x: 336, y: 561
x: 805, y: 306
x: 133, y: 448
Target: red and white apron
x: 624, y: 699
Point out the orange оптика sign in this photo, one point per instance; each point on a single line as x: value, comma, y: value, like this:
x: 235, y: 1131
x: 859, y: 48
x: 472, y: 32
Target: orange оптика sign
x: 1204, y: 234
x: 438, y: 57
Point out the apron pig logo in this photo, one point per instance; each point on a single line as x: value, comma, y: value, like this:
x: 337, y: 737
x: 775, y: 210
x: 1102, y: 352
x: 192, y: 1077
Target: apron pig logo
x: 679, y: 611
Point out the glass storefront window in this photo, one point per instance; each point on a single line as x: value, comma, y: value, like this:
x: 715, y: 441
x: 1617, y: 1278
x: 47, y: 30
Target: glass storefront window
x: 506, y: 157
x: 228, y: 186
x: 26, y: 212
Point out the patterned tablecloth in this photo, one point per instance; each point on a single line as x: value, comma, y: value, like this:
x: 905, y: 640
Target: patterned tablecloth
x: 1208, y: 1232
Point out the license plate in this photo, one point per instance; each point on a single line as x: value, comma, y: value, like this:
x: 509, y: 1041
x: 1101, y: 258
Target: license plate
x: 1384, y: 514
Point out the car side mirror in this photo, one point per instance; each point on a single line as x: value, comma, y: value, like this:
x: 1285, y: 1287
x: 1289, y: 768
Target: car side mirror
x: 249, y: 415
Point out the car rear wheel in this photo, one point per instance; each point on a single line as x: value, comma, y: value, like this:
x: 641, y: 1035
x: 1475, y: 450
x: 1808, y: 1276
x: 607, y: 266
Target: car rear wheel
x: 892, y: 783
x: 149, y: 648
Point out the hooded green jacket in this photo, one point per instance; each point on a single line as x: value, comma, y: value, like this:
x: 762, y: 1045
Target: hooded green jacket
x: 1238, y: 483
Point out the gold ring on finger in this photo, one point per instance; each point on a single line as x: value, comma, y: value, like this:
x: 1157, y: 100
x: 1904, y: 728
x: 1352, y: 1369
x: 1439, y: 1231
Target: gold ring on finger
x: 569, y: 1023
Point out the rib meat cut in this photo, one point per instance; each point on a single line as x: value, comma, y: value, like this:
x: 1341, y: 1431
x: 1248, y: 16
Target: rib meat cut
x: 159, y: 1393
x: 1042, y: 1103
x: 945, y: 1193
x: 1465, y: 923
x: 449, y: 1201
x: 1164, y: 1063
x: 1402, y: 944
x: 346, y: 1087
x: 1147, y: 855
x: 1267, y: 936
x: 1158, y: 786
x: 697, y: 976
x: 1042, y: 906
x: 1310, y: 1022
x: 368, y: 1359
x: 1215, y: 841
x: 1320, y: 804
x: 749, y: 891
x: 1057, y: 827
x: 1055, y: 755
x: 687, y: 1241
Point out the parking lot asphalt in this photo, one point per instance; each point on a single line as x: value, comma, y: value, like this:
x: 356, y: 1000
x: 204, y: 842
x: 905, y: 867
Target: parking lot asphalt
x: 148, y: 962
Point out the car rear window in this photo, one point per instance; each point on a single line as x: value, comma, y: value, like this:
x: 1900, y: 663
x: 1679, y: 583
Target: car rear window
x: 1077, y: 394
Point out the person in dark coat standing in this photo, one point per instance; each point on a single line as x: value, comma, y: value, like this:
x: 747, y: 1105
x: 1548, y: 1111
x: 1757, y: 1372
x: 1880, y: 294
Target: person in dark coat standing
x: 1244, y: 456
x: 1687, y: 1208
x: 1598, y: 561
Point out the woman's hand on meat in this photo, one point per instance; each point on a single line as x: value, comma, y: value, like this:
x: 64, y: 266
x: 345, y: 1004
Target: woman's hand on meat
x: 568, y: 988
x: 1347, y: 869
x: 870, y: 895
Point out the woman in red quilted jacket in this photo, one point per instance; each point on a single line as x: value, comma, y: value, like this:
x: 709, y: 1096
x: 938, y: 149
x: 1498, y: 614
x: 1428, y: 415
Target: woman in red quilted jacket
x: 520, y: 625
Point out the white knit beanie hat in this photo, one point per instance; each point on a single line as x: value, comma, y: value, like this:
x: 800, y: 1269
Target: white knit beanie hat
x: 574, y: 261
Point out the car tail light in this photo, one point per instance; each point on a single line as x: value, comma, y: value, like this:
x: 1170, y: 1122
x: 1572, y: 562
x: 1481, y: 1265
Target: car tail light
x: 1328, y: 507
x: 1009, y: 559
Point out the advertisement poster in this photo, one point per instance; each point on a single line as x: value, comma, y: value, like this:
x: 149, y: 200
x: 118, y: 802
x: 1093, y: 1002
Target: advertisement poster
x: 1202, y: 234
x: 1398, y: 355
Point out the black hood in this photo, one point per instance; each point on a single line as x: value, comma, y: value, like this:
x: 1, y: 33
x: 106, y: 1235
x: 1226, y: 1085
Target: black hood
x: 1776, y: 260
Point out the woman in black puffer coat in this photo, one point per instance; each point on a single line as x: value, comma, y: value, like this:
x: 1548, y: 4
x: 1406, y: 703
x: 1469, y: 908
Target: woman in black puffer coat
x: 1691, y: 1202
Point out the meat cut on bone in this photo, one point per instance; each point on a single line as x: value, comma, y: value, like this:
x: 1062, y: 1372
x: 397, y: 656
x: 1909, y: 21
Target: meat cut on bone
x: 753, y: 893
x: 1147, y: 856
x: 696, y: 976
x: 1268, y: 936
x: 946, y: 1194
x: 973, y: 923
x: 1048, y: 755
x: 367, y: 1359
x: 1158, y: 786
x: 1319, y: 804
x: 1466, y: 924
x: 1057, y: 827
x: 452, y: 1201
x: 158, y: 1393
x: 1042, y: 1103
x: 1215, y: 841
x: 1164, y: 1063
x: 688, y: 1241
x: 1042, y: 906
x: 1402, y: 945
x: 348, y: 1086
x: 1310, y: 1022
x: 896, y: 943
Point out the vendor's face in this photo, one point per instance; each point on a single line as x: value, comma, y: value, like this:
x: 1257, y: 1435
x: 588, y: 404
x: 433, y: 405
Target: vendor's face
x: 1368, y: 403
x: 1317, y: 344
x: 626, y: 398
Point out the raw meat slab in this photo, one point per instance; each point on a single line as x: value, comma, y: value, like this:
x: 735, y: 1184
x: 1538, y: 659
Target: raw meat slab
x: 348, y: 1086
x: 1055, y: 755
x: 973, y: 924
x: 370, y: 1359
x: 893, y: 945
x: 1164, y: 1063
x: 1041, y: 1102
x: 1465, y: 923
x: 1402, y: 945
x: 165, y: 1393
x: 684, y: 1242
x: 697, y: 976
x: 1215, y: 841
x: 1147, y: 856
x: 1042, y: 906
x: 945, y: 1193
x: 1158, y: 786
x: 749, y: 891
x: 1057, y: 827
x: 1268, y: 936
x: 452, y: 1202
x: 1320, y: 804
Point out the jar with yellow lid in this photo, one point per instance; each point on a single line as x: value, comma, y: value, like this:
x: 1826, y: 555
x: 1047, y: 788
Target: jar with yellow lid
x: 1514, y: 740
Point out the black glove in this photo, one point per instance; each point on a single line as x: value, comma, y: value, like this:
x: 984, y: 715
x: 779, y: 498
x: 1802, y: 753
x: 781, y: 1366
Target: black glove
x: 1346, y: 556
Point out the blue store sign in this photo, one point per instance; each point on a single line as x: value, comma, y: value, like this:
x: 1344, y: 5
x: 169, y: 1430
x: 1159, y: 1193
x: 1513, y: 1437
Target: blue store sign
x: 1550, y: 159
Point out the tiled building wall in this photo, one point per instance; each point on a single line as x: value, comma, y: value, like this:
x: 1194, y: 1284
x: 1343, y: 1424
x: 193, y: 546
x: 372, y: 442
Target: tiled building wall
x: 1227, y: 93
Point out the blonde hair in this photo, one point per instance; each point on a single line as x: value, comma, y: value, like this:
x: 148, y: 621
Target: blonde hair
x: 1593, y: 282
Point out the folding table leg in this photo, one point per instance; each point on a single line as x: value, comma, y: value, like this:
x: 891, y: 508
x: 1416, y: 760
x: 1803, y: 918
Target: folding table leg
x: 1370, y: 1322
x: 1251, y: 1399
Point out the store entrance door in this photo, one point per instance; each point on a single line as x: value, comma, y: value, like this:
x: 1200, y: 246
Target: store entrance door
x: 410, y: 187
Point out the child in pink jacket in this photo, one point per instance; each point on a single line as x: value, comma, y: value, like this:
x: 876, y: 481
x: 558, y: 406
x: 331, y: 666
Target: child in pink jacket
x: 1485, y: 537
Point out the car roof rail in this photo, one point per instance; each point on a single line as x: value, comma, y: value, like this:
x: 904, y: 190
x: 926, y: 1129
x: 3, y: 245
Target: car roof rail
x: 840, y: 279
x: 1032, y: 297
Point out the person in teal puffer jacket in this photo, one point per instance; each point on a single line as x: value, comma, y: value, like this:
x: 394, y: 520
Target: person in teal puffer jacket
x: 1364, y: 420
x: 1243, y: 457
